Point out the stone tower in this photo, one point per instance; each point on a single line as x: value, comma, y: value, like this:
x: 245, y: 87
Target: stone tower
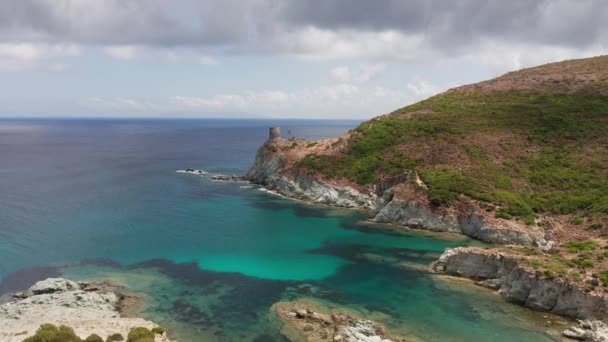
x: 274, y: 133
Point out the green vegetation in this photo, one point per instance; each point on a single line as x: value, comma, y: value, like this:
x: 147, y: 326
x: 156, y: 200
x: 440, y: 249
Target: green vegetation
x: 521, y: 153
x: 603, y: 276
x: 140, y: 334
x: 158, y: 330
x: 51, y: 333
x: 289, y: 147
x: 115, y: 338
x: 579, y: 246
x: 446, y: 185
x: 93, y: 338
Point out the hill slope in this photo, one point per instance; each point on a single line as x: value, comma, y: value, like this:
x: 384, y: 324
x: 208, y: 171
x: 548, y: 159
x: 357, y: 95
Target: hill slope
x: 530, y: 142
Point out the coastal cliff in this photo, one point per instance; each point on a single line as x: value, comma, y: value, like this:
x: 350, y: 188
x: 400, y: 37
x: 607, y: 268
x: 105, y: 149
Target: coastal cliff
x: 269, y: 170
x: 518, y: 282
x: 519, y: 159
x: 400, y: 203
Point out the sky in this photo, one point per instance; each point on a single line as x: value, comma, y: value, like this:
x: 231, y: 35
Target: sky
x: 346, y: 59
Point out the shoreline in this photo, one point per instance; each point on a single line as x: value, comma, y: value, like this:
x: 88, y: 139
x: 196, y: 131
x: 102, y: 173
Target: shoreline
x: 272, y: 169
x: 100, y: 308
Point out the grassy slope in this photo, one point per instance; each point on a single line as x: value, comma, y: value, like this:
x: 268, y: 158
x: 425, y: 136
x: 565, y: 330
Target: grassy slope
x: 534, y: 141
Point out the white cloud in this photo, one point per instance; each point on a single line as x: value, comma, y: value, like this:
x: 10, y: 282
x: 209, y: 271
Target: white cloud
x: 364, y: 73
x: 422, y: 89
x: 339, y: 100
x: 122, y: 52
x: 165, y: 54
x: 499, y: 57
x: 117, y: 103
x: 26, y: 56
x: 345, y: 100
x: 131, y: 52
x: 341, y: 74
x: 206, y: 60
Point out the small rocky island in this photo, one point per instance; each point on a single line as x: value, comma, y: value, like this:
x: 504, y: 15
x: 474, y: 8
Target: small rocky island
x: 86, y: 308
x: 303, y: 320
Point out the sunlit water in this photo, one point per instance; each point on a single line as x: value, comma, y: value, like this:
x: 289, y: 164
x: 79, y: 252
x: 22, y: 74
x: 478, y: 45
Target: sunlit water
x: 101, y: 200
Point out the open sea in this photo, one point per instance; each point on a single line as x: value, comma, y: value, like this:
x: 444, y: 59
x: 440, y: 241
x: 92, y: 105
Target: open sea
x: 101, y: 199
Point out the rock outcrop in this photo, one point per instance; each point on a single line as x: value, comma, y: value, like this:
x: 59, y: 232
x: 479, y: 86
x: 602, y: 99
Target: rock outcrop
x: 87, y: 308
x: 520, y: 284
x: 592, y: 331
x: 268, y: 170
x: 304, y: 321
x: 273, y: 170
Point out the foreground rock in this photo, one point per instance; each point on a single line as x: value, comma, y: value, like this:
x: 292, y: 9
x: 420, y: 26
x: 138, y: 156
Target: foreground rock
x: 305, y: 321
x: 87, y: 308
x: 594, y: 331
x: 521, y: 284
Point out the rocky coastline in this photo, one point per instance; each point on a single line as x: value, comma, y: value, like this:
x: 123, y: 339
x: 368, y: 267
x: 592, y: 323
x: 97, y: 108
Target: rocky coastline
x: 521, y: 284
x: 87, y: 308
x: 398, y: 203
x: 403, y: 203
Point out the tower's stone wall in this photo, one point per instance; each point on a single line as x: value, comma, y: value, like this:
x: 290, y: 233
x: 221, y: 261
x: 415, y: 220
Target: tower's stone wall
x: 274, y: 133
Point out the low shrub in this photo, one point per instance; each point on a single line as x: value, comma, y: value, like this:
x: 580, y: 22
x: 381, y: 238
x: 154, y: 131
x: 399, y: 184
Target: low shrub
x: 51, y: 333
x: 93, y: 338
x: 115, y: 338
x: 578, y: 246
x: 140, y: 334
x: 158, y: 330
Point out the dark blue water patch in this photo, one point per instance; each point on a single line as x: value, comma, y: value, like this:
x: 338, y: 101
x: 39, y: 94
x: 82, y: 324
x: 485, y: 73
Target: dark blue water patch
x: 357, y: 253
x: 269, y: 204
x: 23, y: 279
x: 246, y: 297
x: 310, y: 211
x: 101, y: 262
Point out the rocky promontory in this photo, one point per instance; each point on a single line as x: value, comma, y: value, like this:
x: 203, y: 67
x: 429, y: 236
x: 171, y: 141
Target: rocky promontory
x: 397, y: 201
x: 88, y: 308
x: 305, y: 321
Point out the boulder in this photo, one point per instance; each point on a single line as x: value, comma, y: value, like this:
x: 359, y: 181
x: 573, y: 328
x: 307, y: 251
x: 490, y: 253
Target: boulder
x: 587, y: 330
x: 52, y: 285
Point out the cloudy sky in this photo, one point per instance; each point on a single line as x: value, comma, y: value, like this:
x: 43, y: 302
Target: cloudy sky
x: 272, y: 58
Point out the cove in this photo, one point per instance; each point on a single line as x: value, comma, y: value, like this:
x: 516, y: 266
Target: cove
x: 101, y: 200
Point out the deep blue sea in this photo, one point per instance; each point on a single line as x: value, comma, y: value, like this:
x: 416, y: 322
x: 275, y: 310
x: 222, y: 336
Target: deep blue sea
x: 100, y: 199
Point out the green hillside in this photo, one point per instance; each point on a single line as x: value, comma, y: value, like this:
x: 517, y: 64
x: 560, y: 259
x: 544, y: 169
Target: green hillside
x: 533, y: 141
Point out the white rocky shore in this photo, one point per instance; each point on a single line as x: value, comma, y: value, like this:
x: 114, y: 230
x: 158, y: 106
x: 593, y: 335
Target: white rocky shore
x: 87, y: 308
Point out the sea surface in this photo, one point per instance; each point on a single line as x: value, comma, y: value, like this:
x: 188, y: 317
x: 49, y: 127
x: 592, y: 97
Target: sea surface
x: 101, y: 199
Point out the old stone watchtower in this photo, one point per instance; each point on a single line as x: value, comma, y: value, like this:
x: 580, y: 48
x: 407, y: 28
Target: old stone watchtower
x: 274, y: 132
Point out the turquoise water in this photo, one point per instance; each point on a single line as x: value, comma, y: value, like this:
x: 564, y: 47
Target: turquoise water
x: 101, y: 200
